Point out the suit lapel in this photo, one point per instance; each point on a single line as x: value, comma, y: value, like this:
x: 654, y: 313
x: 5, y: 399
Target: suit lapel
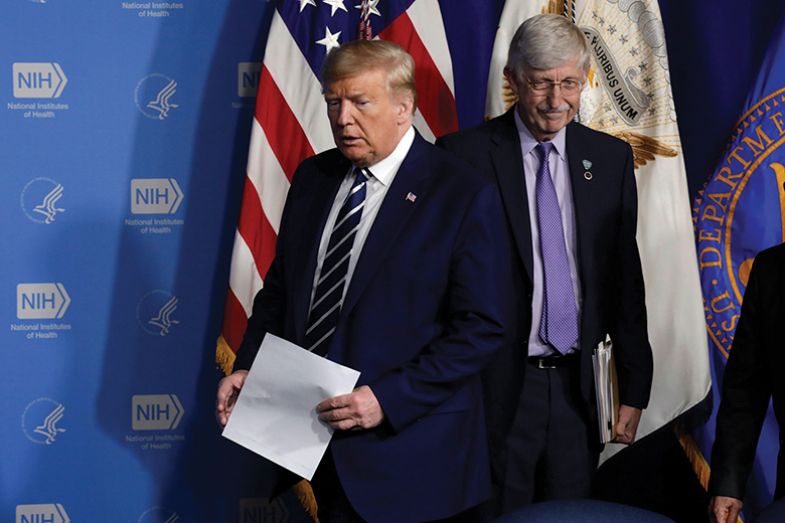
x: 413, y: 176
x: 508, y: 166
x: 576, y: 153
x: 581, y: 201
x: 330, y: 174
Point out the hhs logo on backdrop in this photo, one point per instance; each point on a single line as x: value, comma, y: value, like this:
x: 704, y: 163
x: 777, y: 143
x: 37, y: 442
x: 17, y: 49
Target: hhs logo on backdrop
x: 40, y: 420
x: 38, y: 80
x: 153, y: 96
x: 159, y: 515
x: 42, y: 513
x: 155, y: 310
x: 36, y: 301
x: 156, y: 412
x: 41, y: 200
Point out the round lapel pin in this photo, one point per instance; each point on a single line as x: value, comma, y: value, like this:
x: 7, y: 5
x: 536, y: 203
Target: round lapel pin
x: 588, y: 175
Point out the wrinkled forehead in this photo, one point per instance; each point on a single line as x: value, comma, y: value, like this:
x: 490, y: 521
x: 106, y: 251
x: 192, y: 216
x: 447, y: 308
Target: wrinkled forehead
x: 369, y: 78
x: 567, y: 69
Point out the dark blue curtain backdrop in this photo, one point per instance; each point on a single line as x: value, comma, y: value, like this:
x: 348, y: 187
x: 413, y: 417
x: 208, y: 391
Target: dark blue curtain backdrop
x: 744, y: 66
x: 715, y: 48
x: 715, y: 51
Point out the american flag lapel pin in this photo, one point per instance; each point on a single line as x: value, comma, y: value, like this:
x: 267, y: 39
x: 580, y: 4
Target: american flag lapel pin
x: 411, y: 197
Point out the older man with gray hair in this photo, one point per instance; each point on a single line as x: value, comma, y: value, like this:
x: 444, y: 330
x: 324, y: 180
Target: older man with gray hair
x: 571, y: 206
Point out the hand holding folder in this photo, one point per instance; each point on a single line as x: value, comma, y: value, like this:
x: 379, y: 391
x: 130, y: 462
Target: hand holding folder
x: 606, y: 387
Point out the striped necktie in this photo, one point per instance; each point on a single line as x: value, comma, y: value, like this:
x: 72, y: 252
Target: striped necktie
x: 328, y: 297
x: 559, y: 322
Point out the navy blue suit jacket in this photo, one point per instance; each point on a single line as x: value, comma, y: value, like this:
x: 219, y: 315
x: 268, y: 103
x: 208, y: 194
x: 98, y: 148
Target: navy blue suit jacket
x: 426, y: 308
x: 609, y: 268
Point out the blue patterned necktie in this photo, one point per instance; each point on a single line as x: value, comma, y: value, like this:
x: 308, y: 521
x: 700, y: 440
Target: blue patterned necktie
x: 328, y: 298
x: 559, y: 322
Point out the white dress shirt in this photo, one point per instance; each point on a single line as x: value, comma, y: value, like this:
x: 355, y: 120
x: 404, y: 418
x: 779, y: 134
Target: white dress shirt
x: 383, y: 174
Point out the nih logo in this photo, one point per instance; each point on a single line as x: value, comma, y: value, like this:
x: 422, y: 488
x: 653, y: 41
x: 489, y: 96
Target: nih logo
x: 263, y: 510
x: 36, y: 301
x: 38, y: 80
x: 155, y: 196
x: 43, y: 513
x: 248, y: 78
x: 156, y: 412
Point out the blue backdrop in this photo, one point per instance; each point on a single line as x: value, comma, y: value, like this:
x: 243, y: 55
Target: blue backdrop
x: 124, y: 138
x: 125, y: 132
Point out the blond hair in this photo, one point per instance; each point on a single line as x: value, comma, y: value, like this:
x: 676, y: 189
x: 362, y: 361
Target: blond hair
x: 356, y: 57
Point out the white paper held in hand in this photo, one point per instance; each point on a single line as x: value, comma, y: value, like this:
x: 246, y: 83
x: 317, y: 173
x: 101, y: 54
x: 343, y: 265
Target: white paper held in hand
x: 275, y: 413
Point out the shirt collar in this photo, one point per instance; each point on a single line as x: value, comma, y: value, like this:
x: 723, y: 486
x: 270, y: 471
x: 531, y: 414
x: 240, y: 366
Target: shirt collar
x: 385, y: 170
x: 529, y: 142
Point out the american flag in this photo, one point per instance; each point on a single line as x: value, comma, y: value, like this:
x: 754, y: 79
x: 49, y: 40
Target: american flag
x: 290, y: 122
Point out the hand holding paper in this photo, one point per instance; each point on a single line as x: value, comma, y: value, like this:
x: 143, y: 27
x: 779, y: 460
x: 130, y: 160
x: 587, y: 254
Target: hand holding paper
x: 228, y: 390
x: 357, y: 410
x: 275, y: 414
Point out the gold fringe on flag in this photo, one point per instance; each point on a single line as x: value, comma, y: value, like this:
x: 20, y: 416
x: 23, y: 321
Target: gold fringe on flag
x: 224, y: 355
x: 699, y: 464
x: 307, y: 499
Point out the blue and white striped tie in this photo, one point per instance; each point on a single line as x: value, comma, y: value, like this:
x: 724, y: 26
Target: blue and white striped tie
x: 328, y: 298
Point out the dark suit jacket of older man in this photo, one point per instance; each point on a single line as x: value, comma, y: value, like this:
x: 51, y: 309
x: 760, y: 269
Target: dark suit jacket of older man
x: 605, y: 205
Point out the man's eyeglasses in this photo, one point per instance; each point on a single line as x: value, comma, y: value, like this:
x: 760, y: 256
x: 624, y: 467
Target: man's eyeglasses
x: 567, y: 86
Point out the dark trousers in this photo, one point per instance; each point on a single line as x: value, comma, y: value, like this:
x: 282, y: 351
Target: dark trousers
x: 549, y: 454
x: 335, y: 507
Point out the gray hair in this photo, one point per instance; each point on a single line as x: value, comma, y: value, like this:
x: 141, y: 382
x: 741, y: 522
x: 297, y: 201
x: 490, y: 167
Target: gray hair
x: 356, y: 57
x: 547, y: 41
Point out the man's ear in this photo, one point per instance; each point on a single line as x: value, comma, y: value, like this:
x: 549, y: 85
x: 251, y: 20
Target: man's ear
x: 512, y: 80
x: 405, y: 108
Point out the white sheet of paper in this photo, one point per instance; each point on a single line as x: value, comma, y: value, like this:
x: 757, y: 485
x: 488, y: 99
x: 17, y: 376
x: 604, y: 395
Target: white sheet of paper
x: 275, y: 413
